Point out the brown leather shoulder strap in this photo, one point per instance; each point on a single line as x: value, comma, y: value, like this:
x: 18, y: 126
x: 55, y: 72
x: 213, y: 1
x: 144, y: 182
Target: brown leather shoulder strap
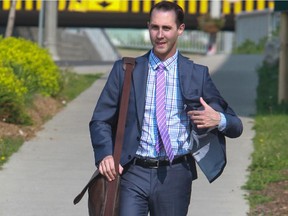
x: 112, y: 186
x: 128, y: 66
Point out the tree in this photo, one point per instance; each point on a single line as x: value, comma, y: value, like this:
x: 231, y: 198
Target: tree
x: 211, y: 25
x: 11, y: 19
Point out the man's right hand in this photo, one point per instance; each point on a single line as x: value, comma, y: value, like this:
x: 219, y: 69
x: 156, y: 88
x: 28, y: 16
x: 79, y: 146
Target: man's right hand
x: 107, y: 168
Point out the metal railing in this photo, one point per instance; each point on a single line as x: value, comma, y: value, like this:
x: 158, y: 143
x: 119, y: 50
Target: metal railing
x: 189, y: 41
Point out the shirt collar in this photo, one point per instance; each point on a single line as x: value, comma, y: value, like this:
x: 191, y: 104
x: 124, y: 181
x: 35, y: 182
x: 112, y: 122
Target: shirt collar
x: 154, y: 61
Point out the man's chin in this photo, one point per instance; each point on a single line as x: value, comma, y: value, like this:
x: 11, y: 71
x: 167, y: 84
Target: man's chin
x: 160, y: 51
x: 160, y: 47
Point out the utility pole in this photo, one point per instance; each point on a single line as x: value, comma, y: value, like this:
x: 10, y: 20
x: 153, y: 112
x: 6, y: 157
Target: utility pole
x: 41, y: 23
x: 283, y: 63
x: 11, y: 19
x: 51, y: 22
x: 282, y: 6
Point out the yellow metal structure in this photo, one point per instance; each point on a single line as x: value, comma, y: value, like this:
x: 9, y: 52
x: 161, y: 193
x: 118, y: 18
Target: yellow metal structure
x: 136, y: 6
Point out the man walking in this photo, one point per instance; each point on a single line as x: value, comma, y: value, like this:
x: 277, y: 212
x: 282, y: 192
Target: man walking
x: 172, y: 102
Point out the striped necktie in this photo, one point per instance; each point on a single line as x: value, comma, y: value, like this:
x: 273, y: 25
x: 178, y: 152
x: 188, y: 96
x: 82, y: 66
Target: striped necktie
x: 164, y: 137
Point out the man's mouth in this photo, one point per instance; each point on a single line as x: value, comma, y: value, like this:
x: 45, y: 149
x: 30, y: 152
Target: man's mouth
x: 160, y: 43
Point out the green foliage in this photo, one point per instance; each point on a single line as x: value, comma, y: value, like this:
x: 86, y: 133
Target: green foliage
x: 73, y: 83
x: 270, y: 156
x: 25, y: 70
x: 267, y: 90
x: 10, y: 83
x: 31, y: 64
x: 12, y: 93
x: 249, y: 47
x: 256, y: 199
x: 8, y: 146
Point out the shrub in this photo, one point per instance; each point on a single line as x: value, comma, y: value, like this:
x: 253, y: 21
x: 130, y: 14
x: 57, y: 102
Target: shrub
x: 12, y: 94
x: 25, y: 70
x: 32, y: 65
x: 267, y: 91
x: 250, y: 47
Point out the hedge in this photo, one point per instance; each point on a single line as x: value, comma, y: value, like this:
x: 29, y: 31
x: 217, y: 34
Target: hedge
x: 25, y: 70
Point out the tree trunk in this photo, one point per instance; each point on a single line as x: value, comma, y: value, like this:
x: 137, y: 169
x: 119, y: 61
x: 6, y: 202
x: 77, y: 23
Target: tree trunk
x: 11, y: 19
x: 283, y: 64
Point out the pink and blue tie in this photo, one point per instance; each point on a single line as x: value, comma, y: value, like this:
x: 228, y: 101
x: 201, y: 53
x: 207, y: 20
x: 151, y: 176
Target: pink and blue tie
x: 164, y: 137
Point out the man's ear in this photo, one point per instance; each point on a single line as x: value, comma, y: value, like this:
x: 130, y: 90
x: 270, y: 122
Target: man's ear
x: 181, y: 29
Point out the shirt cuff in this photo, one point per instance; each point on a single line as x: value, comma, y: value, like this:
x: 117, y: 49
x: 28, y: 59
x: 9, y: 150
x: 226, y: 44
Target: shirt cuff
x: 223, y: 122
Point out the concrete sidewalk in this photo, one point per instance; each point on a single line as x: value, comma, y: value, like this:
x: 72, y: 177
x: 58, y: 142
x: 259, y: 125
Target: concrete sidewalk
x: 45, y: 175
x: 236, y: 78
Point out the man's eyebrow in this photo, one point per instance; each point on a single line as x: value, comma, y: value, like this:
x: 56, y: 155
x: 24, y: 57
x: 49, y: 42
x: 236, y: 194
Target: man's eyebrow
x: 164, y: 26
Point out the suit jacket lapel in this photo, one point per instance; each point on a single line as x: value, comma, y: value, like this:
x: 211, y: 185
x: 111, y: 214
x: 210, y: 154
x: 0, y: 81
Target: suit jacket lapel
x: 140, y: 75
x: 185, y: 67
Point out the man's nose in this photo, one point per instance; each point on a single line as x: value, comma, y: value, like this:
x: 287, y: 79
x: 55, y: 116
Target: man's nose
x: 160, y: 33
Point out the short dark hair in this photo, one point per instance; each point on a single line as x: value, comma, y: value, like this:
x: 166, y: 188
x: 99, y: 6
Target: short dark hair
x: 170, y: 6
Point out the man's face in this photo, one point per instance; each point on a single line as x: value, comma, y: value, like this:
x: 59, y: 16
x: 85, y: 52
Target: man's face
x: 164, y: 33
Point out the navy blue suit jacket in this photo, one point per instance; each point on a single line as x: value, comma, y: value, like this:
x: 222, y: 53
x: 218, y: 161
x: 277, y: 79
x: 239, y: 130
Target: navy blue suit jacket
x: 195, y: 82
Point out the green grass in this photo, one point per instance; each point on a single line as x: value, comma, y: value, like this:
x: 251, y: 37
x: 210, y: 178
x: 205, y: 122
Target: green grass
x: 9, y: 145
x: 256, y: 199
x: 72, y: 85
x: 270, y: 156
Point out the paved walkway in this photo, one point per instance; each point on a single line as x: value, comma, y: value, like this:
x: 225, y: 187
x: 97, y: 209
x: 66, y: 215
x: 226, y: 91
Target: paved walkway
x: 44, y: 176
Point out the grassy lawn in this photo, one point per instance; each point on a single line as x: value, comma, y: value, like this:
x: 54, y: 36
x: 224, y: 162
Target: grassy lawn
x: 270, y: 156
x: 73, y: 85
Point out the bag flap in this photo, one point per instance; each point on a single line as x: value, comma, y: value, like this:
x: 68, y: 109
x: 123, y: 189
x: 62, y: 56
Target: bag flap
x: 81, y: 194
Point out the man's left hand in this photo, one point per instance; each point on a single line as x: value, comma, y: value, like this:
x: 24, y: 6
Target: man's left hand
x: 206, y: 118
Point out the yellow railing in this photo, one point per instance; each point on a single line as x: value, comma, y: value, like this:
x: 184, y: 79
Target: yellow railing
x: 137, y: 6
